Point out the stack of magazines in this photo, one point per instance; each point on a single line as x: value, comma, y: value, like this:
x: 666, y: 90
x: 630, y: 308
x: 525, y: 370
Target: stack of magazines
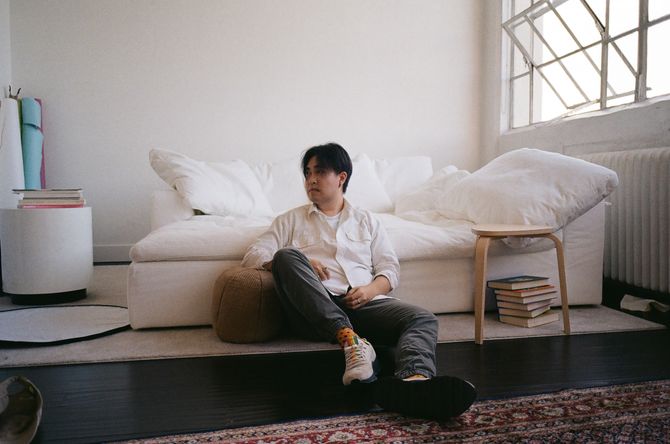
x: 51, y: 198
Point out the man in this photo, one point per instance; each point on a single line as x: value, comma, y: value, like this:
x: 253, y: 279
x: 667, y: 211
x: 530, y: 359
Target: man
x: 333, y: 267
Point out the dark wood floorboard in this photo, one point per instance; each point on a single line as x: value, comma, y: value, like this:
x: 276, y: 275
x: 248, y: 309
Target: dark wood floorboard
x: 113, y: 401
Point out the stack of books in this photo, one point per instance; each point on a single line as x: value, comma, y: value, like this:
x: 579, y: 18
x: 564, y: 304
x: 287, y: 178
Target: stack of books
x: 51, y: 198
x: 525, y: 300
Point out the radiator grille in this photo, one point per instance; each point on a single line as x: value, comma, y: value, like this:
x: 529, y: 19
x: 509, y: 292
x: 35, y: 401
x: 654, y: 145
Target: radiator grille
x: 637, y: 243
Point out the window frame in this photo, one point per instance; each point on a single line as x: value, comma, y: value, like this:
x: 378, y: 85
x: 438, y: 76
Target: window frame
x: 533, y: 69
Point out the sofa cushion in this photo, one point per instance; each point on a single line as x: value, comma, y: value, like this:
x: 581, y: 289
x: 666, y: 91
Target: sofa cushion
x: 365, y: 190
x: 245, y: 307
x: 415, y: 236
x: 529, y: 186
x: 223, y: 188
x: 282, y: 183
x: 200, y: 238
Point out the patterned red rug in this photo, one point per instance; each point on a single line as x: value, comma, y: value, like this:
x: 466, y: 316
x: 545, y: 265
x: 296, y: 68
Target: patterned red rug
x: 615, y: 414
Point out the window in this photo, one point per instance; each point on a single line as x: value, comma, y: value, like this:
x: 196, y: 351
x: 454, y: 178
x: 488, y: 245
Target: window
x: 573, y: 56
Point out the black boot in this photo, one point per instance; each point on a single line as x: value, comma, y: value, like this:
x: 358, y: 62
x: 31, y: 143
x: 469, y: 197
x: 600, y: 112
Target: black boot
x: 439, y: 398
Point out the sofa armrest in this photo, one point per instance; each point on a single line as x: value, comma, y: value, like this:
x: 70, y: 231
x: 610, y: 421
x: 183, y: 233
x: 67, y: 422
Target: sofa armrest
x: 167, y: 206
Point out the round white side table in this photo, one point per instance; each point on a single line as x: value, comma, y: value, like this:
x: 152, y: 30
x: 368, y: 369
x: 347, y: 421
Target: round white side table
x: 47, y: 254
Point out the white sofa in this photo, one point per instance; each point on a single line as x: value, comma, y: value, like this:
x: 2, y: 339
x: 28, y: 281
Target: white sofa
x: 173, y: 269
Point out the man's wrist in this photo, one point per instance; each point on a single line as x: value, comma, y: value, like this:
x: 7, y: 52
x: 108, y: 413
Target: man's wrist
x: 382, y: 283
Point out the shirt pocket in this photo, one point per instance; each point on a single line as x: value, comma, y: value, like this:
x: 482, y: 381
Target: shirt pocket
x: 360, y: 244
x: 306, y: 242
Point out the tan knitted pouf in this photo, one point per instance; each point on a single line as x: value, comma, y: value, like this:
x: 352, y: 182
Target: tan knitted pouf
x: 245, y: 307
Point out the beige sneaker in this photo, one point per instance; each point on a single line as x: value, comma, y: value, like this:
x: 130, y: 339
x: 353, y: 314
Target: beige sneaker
x: 360, y: 359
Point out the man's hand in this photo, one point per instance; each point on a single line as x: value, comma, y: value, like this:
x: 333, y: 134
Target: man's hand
x: 359, y: 296
x: 320, y: 269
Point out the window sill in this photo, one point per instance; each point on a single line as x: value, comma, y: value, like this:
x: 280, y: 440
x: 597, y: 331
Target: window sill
x: 592, y: 114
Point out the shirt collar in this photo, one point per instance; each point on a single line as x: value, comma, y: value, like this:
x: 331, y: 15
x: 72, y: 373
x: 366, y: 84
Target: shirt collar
x: 313, y: 208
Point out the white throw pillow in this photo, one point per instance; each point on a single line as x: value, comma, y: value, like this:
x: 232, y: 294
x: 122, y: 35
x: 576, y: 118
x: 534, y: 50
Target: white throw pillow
x: 365, y: 190
x: 224, y: 188
x: 426, y: 196
x: 401, y: 175
x: 283, y: 184
x: 529, y: 186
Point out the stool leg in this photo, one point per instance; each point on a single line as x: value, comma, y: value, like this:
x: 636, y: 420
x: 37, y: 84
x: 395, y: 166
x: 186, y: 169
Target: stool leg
x: 561, y: 276
x: 481, y: 251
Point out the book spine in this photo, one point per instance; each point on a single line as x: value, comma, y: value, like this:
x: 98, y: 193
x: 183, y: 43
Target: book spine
x: 53, y: 196
x: 51, y: 201
x: 51, y: 206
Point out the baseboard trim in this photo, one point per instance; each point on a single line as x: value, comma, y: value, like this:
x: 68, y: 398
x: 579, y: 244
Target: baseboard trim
x: 111, y: 253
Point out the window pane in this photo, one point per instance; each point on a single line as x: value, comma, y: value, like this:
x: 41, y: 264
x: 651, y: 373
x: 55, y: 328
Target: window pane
x: 520, y: 5
x: 628, y: 45
x: 628, y: 98
x: 587, y: 109
x: 555, y: 74
x: 520, y: 66
x: 658, y: 8
x: 596, y: 53
x: 531, y: 43
x: 520, y: 102
x: 541, y: 53
x: 522, y: 33
x: 658, y: 63
x: 581, y: 23
x: 624, y: 15
x: 555, y: 34
x: 585, y: 74
x: 618, y: 74
x: 598, y: 7
x: 547, y: 105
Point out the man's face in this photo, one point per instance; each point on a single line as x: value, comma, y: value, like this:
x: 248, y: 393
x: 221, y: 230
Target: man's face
x: 322, y: 185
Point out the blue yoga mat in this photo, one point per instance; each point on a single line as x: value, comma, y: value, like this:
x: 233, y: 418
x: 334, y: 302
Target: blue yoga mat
x: 31, y: 140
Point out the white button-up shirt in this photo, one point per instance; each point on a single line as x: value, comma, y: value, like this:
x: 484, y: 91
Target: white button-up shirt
x: 355, y: 253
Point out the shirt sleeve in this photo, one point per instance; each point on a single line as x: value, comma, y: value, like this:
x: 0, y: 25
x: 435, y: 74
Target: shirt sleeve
x: 384, y: 260
x: 267, y: 244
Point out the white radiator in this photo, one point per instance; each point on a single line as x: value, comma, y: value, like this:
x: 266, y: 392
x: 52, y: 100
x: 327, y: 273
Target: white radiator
x: 637, y: 242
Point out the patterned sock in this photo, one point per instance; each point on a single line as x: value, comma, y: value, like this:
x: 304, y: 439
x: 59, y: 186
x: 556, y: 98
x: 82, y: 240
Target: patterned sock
x: 346, y: 337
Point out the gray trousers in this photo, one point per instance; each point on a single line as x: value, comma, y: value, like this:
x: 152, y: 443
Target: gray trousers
x: 315, y: 314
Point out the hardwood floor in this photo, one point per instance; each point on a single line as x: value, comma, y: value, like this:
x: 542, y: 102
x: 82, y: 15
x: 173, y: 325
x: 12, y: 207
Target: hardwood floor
x: 114, y: 401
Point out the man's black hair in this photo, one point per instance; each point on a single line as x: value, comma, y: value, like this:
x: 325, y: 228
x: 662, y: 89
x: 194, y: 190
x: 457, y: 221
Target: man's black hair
x: 331, y: 156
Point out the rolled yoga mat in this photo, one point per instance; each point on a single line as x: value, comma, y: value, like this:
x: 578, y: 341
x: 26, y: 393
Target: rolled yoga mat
x: 32, y: 139
x: 11, y: 158
x: 43, y: 169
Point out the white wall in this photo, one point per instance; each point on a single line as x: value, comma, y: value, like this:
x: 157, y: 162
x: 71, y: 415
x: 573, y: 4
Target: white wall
x: 250, y: 79
x: 5, y: 51
x: 491, y: 80
x: 634, y: 127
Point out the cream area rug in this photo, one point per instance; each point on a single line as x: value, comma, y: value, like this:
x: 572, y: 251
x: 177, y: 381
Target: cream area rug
x: 60, y: 324
x: 109, y: 287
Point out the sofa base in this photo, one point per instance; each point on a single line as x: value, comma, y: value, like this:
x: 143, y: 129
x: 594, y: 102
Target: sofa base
x: 179, y: 293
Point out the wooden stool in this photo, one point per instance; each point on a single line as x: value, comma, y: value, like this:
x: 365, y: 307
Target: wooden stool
x: 485, y: 233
